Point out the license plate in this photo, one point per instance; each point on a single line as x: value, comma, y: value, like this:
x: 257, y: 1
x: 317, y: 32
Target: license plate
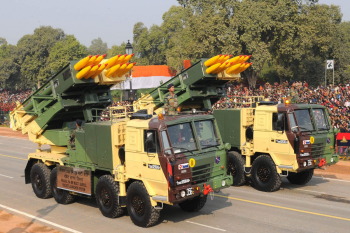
x: 74, y: 179
x: 309, y: 162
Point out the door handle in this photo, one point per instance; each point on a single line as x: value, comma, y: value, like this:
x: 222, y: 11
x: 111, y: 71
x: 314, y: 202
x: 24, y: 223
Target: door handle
x: 272, y: 139
x: 144, y: 164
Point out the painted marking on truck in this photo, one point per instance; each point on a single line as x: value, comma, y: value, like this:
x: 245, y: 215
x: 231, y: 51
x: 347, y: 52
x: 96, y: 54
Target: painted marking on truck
x: 39, y: 219
x: 192, y: 162
x: 13, y: 157
x: 6, y: 176
x: 206, y: 226
x: 285, y: 208
x: 183, y: 166
x: 306, y: 142
x: 312, y: 140
x: 154, y: 166
x: 281, y: 141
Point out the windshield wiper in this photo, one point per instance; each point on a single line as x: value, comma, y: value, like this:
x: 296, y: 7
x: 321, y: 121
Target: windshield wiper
x: 305, y: 128
x: 183, y: 149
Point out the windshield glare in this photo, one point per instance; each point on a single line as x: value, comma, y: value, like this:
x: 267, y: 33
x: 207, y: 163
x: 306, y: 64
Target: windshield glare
x: 320, y: 119
x: 182, y: 138
x: 206, y: 133
x: 304, y: 120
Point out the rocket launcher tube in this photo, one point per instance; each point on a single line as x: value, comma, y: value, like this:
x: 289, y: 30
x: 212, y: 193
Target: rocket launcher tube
x: 112, y: 60
x: 127, y: 58
x: 242, y: 58
x: 82, y: 63
x: 99, y: 59
x: 246, y: 58
x: 212, y: 61
x: 227, y: 57
x: 92, y: 60
x: 227, y: 64
x: 245, y: 67
x: 233, y: 68
x: 120, y: 70
x: 235, y: 59
x: 222, y: 58
x: 99, y: 70
x: 83, y: 72
x: 239, y: 68
x: 129, y: 67
x: 212, y: 68
x: 112, y: 70
x: 92, y: 71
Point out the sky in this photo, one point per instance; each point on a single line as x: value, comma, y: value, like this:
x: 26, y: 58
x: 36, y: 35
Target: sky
x: 111, y: 20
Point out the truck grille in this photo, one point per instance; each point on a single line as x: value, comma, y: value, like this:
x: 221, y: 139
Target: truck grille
x: 317, y: 149
x: 201, y: 174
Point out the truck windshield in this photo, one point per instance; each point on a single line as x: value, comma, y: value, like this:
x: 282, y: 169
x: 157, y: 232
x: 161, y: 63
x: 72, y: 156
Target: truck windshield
x: 320, y: 119
x: 182, y: 137
x: 206, y: 134
x: 304, y: 120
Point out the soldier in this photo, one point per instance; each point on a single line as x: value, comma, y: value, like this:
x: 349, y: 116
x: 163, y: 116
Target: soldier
x: 170, y: 101
x: 292, y: 93
x: 78, y: 123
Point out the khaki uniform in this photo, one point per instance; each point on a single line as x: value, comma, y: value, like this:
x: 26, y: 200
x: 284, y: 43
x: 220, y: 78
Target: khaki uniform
x: 293, y: 96
x: 170, y: 104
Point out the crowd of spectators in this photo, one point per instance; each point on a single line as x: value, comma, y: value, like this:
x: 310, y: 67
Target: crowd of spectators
x: 8, y: 99
x: 335, y: 98
x: 105, y: 115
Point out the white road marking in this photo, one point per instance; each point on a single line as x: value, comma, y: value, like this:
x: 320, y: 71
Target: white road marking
x: 15, y: 138
x: 6, y: 176
x: 331, y: 179
x: 206, y: 226
x: 39, y: 219
x: 311, y: 191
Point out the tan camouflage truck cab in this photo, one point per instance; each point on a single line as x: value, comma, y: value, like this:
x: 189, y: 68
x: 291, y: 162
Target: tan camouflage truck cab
x: 272, y: 140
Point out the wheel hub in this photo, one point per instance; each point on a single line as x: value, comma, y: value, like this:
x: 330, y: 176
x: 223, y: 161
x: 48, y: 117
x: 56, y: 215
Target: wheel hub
x: 232, y: 170
x: 105, y: 198
x: 138, y: 205
x: 263, y: 173
x: 38, y: 182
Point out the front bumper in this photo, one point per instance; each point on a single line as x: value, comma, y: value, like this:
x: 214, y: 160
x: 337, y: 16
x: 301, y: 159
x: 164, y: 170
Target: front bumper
x: 197, y: 189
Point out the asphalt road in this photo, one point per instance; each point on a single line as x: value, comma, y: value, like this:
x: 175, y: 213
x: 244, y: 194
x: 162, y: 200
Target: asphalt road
x: 320, y: 206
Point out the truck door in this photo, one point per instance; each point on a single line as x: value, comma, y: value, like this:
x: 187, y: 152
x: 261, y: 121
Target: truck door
x: 279, y: 143
x: 152, y: 168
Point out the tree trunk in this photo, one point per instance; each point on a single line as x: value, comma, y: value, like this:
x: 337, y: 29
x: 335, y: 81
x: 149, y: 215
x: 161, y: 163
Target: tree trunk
x: 252, y: 77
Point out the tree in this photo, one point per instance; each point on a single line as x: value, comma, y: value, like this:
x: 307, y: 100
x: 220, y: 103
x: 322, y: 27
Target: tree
x: 34, y: 51
x: 98, y: 47
x: 64, y: 51
x: 116, y: 50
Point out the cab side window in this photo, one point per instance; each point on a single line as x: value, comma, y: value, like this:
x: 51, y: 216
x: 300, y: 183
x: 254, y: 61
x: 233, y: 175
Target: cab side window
x: 274, y: 122
x: 151, y: 142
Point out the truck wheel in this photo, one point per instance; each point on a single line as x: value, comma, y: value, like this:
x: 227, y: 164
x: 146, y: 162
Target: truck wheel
x: 61, y: 196
x: 107, y: 191
x: 40, y: 178
x: 301, y: 178
x: 236, y: 168
x: 264, y: 174
x: 193, y: 205
x: 139, y: 206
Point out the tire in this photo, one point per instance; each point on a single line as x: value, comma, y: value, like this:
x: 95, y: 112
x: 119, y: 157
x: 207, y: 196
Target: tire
x: 107, y: 191
x: 139, y: 206
x: 40, y: 179
x: 301, y: 178
x: 193, y: 205
x: 235, y: 168
x: 264, y: 174
x: 61, y: 196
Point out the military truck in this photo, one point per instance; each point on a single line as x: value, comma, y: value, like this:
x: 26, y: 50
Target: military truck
x: 269, y: 140
x: 132, y: 161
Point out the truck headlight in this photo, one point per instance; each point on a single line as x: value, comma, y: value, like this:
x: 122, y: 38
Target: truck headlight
x: 223, y: 183
x: 304, y: 163
x: 331, y: 160
x: 183, y: 193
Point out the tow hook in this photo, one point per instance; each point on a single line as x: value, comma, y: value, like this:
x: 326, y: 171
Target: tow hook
x: 207, y: 189
x: 322, y: 163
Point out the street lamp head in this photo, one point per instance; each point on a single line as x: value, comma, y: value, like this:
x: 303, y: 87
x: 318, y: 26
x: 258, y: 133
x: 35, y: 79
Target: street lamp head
x: 128, y: 48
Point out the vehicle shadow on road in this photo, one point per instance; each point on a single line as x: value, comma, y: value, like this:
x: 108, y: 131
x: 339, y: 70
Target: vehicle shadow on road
x: 41, y: 214
x: 312, y: 183
x: 176, y: 214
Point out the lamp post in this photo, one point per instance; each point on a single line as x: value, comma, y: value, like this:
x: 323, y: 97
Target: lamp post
x: 128, y: 50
